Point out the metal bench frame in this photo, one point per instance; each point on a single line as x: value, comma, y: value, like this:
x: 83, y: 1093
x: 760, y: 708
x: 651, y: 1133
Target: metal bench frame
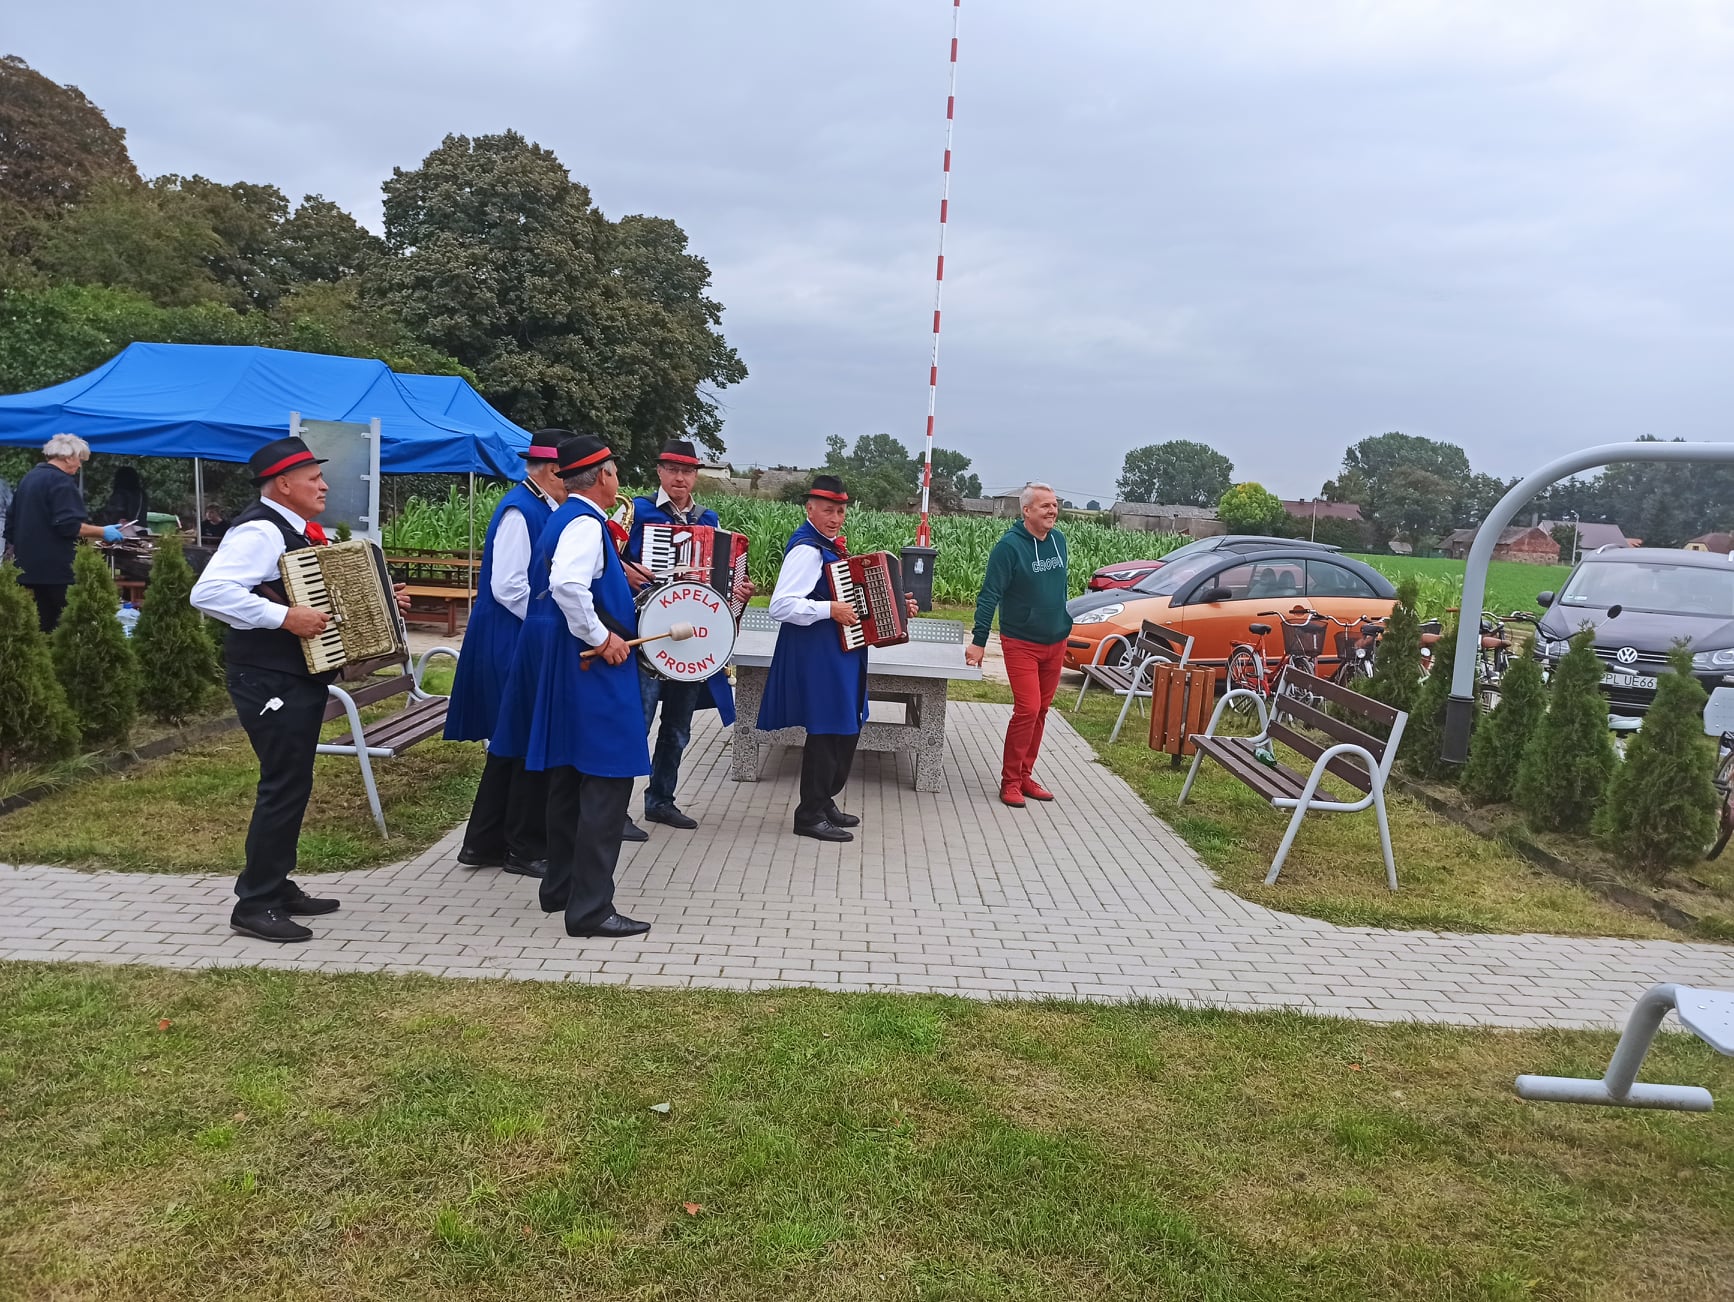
x: 1708, y: 1014
x: 1133, y: 676
x: 346, y: 703
x: 1358, y: 758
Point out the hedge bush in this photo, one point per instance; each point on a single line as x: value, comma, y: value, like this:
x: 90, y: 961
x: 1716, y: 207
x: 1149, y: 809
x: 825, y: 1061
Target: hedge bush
x: 1425, y: 735
x: 92, y: 656
x: 1496, y: 751
x: 1570, y: 758
x: 177, y: 661
x: 37, y: 726
x: 1397, y: 665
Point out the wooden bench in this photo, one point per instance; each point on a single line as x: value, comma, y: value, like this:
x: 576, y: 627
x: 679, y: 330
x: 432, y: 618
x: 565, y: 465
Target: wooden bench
x: 1359, y: 759
x: 1130, y: 674
x: 423, y: 716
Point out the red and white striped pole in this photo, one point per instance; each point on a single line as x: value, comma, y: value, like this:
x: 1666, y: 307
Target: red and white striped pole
x: 924, y: 535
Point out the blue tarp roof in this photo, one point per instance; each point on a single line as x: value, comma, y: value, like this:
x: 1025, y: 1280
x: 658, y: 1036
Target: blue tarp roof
x: 218, y: 402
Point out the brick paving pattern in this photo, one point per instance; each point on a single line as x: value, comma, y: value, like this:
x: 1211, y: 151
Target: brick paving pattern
x: 1089, y: 897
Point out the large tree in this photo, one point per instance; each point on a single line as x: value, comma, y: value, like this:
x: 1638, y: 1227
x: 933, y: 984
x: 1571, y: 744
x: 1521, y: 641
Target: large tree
x: 1178, y: 472
x: 1384, y: 475
x: 500, y: 259
x: 879, y: 472
x: 952, y: 481
x: 321, y: 243
x: 54, y: 144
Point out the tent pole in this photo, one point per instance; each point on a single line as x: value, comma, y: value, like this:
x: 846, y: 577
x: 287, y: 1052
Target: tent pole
x: 472, y: 582
x: 198, y: 503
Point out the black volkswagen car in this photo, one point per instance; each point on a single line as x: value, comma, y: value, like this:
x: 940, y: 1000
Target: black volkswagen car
x: 1664, y: 596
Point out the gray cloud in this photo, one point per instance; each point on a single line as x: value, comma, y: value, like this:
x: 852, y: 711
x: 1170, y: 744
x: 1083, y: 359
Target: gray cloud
x: 1276, y: 228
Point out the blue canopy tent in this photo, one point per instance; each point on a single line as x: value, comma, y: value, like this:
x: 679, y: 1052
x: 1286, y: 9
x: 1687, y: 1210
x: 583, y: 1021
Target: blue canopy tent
x: 219, y: 403
x: 213, y: 402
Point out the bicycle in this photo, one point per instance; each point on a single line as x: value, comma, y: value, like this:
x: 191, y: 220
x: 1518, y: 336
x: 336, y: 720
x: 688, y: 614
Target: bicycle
x: 1251, y: 668
x: 1724, y: 779
x: 1356, y: 642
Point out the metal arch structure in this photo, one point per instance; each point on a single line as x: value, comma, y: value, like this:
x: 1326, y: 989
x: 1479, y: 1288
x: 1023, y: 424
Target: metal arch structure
x: 1460, y: 709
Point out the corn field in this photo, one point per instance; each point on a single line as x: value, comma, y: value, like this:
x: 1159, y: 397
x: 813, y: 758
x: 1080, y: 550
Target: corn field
x: 963, y: 541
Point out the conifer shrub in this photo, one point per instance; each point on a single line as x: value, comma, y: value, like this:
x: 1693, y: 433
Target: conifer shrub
x: 1661, y: 808
x: 1424, y: 736
x: 177, y: 662
x: 1496, y: 750
x: 37, y: 726
x: 92, y: 655
x: 1570, y: 757
x: 1397, y: 663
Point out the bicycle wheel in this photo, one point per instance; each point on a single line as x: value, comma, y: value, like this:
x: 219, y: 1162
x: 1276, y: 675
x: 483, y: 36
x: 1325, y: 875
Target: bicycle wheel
x: 1246, y: 674
x: 1725, y: 791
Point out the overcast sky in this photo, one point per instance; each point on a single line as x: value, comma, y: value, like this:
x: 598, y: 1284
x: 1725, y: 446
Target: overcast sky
x: 1273, y: 227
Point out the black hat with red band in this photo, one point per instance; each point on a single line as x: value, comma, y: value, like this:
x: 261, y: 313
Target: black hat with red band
x: 678, y: 452
x: 581, y: 452
x: 545, y: 445
x: 278, y: 456
x: 828, y: 488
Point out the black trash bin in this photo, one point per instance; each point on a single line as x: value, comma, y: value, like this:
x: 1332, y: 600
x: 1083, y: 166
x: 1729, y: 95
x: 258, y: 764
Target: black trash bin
x: 918, y: 565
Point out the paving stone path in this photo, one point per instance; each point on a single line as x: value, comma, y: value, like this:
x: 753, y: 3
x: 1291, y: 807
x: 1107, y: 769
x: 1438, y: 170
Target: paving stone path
x: 1091, y: 896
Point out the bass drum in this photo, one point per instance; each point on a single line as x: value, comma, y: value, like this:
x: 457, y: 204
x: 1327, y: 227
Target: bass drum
x: 695, y: 658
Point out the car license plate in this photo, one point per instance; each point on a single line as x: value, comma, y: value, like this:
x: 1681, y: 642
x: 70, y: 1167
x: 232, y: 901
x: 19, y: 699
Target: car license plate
x: 1630, y: 682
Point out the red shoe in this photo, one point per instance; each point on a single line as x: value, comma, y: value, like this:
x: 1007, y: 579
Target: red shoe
x: 1010, y: 795
x: 1036, y: 791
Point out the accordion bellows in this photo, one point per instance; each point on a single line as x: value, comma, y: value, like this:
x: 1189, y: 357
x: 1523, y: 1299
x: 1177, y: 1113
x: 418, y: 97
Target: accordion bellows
x: 349, y: 582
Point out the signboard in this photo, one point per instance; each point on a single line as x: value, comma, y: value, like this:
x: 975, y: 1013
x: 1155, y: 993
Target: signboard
x: 351, y: 452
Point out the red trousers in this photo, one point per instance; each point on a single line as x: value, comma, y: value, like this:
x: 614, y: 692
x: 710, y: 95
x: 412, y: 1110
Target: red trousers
x: 1034, y: 670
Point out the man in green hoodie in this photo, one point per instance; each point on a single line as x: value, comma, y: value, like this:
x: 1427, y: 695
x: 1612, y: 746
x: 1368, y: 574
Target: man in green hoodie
x: 1026, y: 581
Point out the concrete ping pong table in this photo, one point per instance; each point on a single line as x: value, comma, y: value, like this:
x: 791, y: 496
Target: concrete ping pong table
x: 915, y: 674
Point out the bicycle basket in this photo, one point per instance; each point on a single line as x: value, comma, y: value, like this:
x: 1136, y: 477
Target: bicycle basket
x: 1303, y: 640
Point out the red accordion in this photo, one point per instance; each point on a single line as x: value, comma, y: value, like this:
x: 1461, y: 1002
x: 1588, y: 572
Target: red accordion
x: 698, y: 551
x: 873, y: 584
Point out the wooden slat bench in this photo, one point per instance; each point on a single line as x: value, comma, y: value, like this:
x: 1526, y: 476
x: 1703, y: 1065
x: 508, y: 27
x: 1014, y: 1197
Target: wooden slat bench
x: 1130, y: 675
x: 1354, y: 757
x: 423, y: 716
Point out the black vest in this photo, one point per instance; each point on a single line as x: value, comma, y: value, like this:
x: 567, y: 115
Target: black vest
x: 270, y: 648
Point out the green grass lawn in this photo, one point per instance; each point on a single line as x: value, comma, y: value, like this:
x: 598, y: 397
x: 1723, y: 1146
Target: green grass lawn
x: 1450, y: 878
x: 239, y: 1133
x: 1511, y: 585
x: 188, y: 811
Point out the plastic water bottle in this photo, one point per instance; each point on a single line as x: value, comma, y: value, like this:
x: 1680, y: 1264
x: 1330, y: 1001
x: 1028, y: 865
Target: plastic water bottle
x: 128, y: 616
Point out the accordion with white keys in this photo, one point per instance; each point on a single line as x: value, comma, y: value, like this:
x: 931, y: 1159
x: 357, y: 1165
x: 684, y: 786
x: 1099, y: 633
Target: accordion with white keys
x: 698, y: 551
x: 349, y: 582
x: 873, y: 584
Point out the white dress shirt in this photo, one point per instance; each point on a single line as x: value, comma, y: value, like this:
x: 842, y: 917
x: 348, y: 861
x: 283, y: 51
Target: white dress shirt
x: 509, y: 580
x: 799, y: 576
x: 578, y: 560
x: 247, y: 556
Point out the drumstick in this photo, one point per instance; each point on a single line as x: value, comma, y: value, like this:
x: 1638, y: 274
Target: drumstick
x: 676, y: 633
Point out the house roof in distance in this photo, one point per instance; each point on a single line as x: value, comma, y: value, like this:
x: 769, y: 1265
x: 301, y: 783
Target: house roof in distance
x: 1591, y: 535
x: 1180, y: 511
x: 1305, y: 509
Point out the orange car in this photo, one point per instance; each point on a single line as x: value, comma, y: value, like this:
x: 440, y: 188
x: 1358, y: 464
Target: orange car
x: 1213, y: 596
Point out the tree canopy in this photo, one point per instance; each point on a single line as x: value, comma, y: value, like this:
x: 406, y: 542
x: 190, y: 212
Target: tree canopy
x: 498, y: 257
x: 54, y: 144
x: 1178, y: 472
x: 1250, y: 508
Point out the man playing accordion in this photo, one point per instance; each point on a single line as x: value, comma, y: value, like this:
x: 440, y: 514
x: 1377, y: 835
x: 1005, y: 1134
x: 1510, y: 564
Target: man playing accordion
x: 813, y: 682
x: 677, y: 470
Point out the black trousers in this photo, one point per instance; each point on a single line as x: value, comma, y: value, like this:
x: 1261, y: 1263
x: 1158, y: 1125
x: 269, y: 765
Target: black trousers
x: 50, y: 603
x: 510, y: 812
x: 825, y: 763
x: 284, y: 736
x: 586, y: 816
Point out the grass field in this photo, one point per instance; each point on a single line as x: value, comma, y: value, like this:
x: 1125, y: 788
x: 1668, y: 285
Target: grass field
x: 238, y: 1133
x: 1511, y: 585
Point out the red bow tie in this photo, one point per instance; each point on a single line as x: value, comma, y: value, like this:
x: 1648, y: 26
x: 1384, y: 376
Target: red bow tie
x: 315, y: 533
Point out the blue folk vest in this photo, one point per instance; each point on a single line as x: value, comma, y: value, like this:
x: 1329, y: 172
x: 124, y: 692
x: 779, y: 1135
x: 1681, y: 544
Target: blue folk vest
x: 491, y: 639
x: 558, y: 709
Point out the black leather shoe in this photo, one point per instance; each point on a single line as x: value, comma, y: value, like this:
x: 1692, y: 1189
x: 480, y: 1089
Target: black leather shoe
x: 837, y: 818
x: 615, y: 926
x: 824, y: 832
x: 634, y: 832
x: 526, y: 867
x: 672, y: 817
x: 269, y: 924
x: 476, y: 859
x: 298, y: 903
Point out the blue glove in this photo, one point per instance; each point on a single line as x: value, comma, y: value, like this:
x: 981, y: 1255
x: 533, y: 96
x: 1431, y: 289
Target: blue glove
x: 112, y: 533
